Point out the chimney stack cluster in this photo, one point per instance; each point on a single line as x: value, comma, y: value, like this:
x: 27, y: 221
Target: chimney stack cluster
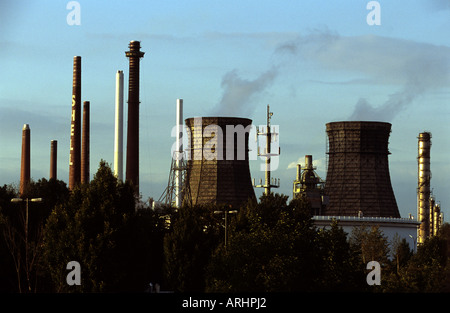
x: 78, y: 162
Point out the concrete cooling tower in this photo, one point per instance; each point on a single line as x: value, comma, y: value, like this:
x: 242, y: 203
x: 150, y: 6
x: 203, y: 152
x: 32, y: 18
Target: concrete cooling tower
x: 358, y: 180
x: 217, y: 168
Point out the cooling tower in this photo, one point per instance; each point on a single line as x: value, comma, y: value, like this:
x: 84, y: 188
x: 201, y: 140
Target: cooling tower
x: 25, y: 159
x: 53, y: 159
x: 75, y: 126
x: 358, y: 177
x: 85, y: 144
x: 218, y: 169
x: 423, y: 189
x: 132, y: 165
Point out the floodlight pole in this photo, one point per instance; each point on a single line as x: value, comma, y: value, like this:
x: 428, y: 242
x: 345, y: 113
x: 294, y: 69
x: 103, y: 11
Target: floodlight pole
x: 225, y: 212
x: 26, y: 233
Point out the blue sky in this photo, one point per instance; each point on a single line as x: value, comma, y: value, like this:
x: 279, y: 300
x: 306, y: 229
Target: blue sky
x: 314, y: 62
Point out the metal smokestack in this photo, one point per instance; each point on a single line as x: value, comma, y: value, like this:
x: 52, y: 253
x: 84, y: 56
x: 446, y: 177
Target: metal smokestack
x: 308, y: 162
x: 179, y: 154
x: 25, y: 159
x: 85, y: 147
x: 423, y: 190
x: 118, y: 131
x: 53, y: 159
x: 132, y: 166
x: 75, y: 126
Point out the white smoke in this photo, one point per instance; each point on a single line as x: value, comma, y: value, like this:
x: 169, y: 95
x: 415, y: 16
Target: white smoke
x: 239, y: 94
x: 388, y: 110
x: 414, y: 67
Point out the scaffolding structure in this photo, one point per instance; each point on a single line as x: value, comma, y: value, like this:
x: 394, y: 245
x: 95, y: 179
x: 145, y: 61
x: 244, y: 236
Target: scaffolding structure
x: 178, y: 169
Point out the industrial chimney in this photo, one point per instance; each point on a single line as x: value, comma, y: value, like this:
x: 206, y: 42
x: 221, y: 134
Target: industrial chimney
x: 118, y: 130
x: 132, y: 166
x: 53, y: 159
x: 423, y: 190
x: 358, y: 179
x: 75, y: 126
x: 218, y: 168
x: 179, y: 155
x: 85, y: 147
x: 25, y: 159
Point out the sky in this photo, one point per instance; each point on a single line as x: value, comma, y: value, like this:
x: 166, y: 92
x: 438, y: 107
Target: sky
x: 313, y: 62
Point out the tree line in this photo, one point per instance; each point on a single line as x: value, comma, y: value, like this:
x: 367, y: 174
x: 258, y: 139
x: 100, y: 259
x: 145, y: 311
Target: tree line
x: 271, y: 245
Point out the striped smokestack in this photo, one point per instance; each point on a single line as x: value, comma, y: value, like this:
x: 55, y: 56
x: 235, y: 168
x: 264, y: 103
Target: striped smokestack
x: 85, y: 144
x: 75, y: 126
x: 25, y: 160
x: 53, y: 159
x: 132, y: 166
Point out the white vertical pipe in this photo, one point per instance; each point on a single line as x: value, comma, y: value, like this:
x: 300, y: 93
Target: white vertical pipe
x: 179, y: 154
x: 118, y: 131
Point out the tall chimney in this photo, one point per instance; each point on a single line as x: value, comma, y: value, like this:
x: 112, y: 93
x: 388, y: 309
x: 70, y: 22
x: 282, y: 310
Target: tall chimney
x: 25, y: 160
x: 53, y: 159
x: 358, y: 170
x: 423, y: 189
x: 75, y: 126
x: 118, y: 131
x: 179, y: 154
x: 85, y: 144
x: 134, y: 55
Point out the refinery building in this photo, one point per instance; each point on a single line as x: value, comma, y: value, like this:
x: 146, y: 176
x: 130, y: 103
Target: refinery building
x: 356, y: 191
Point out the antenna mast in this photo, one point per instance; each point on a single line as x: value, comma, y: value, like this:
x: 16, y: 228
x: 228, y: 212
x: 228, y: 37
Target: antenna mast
x: 270, y: 135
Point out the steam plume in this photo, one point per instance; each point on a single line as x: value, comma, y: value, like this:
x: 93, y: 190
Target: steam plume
x: 239, y: 93
x: 415, y: 68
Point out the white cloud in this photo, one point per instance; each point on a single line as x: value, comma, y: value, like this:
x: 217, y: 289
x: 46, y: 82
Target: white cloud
x: 413, y: 67
x: 318, y: 163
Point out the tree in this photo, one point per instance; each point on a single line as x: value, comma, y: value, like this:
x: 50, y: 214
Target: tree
x: 426, y: 272
x: 271, y: 248
x: 341, y: 268
x: 370, y: 244
x: 188, y: 247
x: 401, y: 252
x: 23, y: 235
x: 100, y: 228
x: 10, y: 270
